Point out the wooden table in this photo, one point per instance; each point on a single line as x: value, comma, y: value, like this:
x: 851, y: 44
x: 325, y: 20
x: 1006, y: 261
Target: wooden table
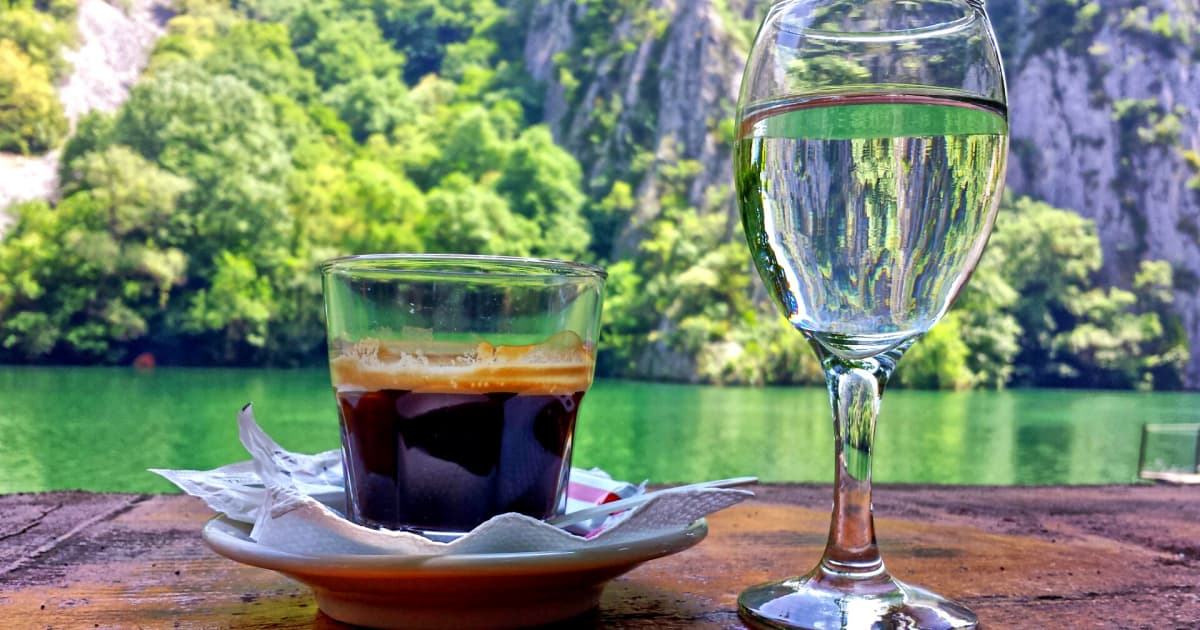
x: 1084, y: 557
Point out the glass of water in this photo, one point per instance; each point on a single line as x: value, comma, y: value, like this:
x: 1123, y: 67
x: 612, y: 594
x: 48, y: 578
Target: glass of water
x: 873, y: 137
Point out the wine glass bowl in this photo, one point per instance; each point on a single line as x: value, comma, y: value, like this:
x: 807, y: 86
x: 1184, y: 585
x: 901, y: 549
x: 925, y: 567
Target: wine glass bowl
x: 870, y: 162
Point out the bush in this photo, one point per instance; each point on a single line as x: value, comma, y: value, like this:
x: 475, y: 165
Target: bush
x: 938, y: 360
x: 40, y: 37
x: 31, y: 118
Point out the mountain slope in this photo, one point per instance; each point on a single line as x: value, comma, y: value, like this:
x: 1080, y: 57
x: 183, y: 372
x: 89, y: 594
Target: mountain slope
x: 1103, y: 102
x: 642, y: 93
x: 1104, y: 124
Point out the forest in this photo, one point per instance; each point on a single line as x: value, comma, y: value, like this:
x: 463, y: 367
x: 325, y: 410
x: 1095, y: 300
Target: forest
x: 268, y: 135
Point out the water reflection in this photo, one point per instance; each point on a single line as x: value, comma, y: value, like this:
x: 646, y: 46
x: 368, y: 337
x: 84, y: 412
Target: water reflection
x: 99, y: 429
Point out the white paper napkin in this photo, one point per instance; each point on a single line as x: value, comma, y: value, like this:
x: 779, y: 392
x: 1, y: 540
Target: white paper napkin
x: 294, y: 501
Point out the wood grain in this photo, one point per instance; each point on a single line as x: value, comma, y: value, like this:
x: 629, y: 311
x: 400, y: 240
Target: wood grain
x: 1088, y: 557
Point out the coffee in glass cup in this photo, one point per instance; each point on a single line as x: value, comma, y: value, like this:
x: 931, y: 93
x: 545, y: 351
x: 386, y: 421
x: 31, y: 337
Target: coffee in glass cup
x: 458, y: 381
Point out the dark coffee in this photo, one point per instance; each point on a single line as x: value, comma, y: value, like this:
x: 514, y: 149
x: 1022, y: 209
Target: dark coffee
x: 451, y: 461
x: 444, y: 436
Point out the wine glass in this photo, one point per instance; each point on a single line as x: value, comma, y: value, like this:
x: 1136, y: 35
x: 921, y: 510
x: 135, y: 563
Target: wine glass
x: 873, y: 138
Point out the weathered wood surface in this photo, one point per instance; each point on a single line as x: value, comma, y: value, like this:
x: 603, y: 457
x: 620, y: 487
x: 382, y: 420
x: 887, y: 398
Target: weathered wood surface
x: 1090, y: 557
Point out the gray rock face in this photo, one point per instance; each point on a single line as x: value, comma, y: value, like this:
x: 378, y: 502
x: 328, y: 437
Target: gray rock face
x: 551, y: 31
x: 1067, y: 147
x: 677, y: 84
x: 684, y: 80
x: 115, y: 45
x: 1069, y: 150
x: 24, y: 178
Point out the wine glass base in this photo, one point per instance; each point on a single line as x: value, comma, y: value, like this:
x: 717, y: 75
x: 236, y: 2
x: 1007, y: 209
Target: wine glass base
x: 821, y: 601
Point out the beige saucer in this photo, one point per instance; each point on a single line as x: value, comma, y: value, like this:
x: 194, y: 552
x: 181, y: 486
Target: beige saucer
x: 507, y: 590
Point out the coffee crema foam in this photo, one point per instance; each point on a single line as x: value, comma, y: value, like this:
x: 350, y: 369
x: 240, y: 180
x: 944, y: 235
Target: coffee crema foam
x: 562, y: 364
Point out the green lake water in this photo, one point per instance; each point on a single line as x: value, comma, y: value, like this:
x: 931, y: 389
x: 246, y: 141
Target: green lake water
x: 100, y: 428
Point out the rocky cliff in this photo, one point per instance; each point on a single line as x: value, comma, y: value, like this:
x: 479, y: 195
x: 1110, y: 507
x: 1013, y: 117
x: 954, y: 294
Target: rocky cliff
x: 1104, y: 98
x: 666, y: 80
x: 1105, y: 123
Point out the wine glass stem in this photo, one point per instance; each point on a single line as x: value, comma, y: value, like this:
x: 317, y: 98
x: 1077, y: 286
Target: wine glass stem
x: 855, y: 389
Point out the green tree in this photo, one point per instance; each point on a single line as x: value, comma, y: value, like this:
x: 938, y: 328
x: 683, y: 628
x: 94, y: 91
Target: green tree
x: 195, y: 33
x: 31, y: 118
x: 260, y: 54
x: 93, y: 133
x: 939, y: 360
x: 40, y: 37
x: 468, y: 217
x: 381, y: 210
x: 1073, y: 332
x: 131, y: 197
x: 237, y: 305
x: 607, y: 217
x: 985, y: 319
x: 1049, y: 256
x: 1032, y: 314
x: 474, y: 142
x: 424, y: 28
x: 189, y: 38
x: 223, y: 136
x: 193, y: 219
x: 87, y: 280
x: 372, y: 105
x: 340, y: 48
x: 541, y: 181
x: 1154, y: 286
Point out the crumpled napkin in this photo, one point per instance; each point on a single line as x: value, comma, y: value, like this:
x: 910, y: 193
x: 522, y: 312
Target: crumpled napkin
x: 294, y: 501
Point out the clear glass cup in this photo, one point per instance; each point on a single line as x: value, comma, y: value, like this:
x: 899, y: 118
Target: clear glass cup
x: 1170, y: 452
x: 870, y: 162
x: 458, y: 380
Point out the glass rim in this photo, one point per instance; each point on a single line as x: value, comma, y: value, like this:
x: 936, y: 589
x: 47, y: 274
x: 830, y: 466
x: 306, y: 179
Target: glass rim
x: 882, y: 37
x: 463, y: 266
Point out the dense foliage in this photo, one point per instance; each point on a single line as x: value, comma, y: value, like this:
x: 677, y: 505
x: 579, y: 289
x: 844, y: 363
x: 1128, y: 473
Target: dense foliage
x: 1033, y: 315
x: 32, y: 37
x: 193, y: 219
x: 271, y: 134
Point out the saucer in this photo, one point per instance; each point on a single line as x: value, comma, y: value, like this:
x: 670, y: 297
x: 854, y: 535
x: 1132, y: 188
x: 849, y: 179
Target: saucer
x: 502, y: 590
